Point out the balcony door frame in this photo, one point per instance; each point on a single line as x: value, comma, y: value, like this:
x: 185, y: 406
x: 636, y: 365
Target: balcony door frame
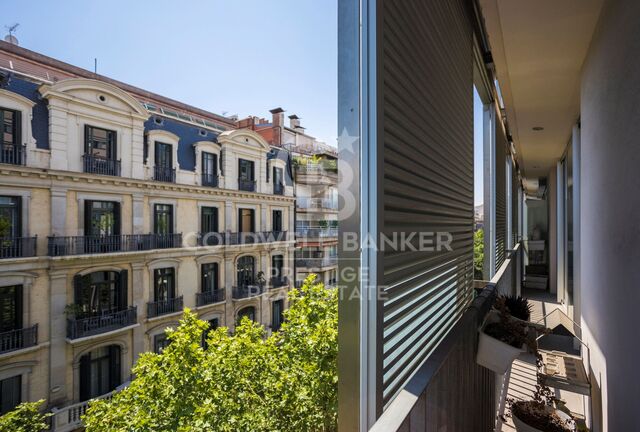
x: 111, y: 142
x: 115, y: 351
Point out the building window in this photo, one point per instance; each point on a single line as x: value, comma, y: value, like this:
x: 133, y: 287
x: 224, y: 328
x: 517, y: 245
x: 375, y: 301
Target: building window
x: 160, y: 342
x: 277, y: 314
x: 10, y: 308
x: 277, y: 266
x: 10, y: 393
x: 11, y: 129
x: 278, y: 182
x: 164, y: 162
x: 164, y: 287
x: 163, y: 219
x: 246, y: 175
x: 102, y: 218
x: 99, y: 372
x: 249, y: 312
x: 10, y: 217
x: 213, y: 324
x: 277, y: 220
x: 209, y: 169
x: 100, y: 143
x: 209, y: 220
x: 101, y: 292
x: 209, y: 277
x: 246, y: 271
x: 246, y: 220
x: 164, y: 155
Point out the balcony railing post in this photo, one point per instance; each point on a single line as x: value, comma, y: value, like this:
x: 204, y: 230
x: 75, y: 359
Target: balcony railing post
x: 13, y: 154
x: 100, y: 323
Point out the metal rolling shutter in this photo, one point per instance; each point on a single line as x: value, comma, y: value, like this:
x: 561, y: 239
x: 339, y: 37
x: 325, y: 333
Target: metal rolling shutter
x: 501, y: 196
x: 428, y: 178
x: 514, y: 204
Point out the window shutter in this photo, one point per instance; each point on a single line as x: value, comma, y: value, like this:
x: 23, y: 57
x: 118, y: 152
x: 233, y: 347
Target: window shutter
x: 501, y: 196
x: 18, y: 294
x: 87, y: 217
x: 86, y: 139
x: 85, y: 377
x: 240, y: 227
x: 124, y: 289
x: 114, y: 146
x: 77, y: 289
x: 116, y: 218
x: 425, y: 141
x: 17, y: 137
x: 222, y: 162
x: 268, y: 165
x: 515, y: 217
x: 114, y: 363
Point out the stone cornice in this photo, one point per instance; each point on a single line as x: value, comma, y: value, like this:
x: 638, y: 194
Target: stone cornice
x: 34, y: 177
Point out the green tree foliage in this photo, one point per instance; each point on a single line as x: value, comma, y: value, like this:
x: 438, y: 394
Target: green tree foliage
x: 240, y: 382
x: 478, y: 253
x: 26, y: 417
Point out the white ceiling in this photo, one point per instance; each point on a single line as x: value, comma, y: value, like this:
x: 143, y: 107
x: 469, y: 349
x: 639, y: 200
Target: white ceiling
x: 539, y: 47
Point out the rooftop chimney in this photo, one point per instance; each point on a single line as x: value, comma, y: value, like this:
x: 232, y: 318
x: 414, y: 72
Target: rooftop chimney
x: 278, y: 116
x: 294, y: 121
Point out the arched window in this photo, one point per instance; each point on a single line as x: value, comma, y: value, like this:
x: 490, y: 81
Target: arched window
x: 246, y: 271
x: 249, y: 312
x: 100, y: 372
x: 100, y: 292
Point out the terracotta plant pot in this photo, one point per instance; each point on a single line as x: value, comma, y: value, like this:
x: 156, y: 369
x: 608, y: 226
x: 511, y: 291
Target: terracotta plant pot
x: 523, y: 427
x: 493, y: 353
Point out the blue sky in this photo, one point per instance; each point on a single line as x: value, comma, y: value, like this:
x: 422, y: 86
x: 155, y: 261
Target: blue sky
x: 239, y: 57
x: 243, y: 57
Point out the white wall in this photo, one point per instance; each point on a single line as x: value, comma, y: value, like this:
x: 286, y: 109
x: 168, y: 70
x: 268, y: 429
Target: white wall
x: 610, y: 214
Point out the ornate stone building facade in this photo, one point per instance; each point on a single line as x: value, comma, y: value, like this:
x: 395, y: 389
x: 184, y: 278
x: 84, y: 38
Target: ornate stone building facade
x: 119, y: 208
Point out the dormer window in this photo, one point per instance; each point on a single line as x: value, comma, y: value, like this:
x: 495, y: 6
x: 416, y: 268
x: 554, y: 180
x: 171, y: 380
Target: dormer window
x: 164, y: 170
x: 209, y: 169
x: 278, y: 181
x: 246, y: 175
x: 100, y: 151
x: 11, y: 150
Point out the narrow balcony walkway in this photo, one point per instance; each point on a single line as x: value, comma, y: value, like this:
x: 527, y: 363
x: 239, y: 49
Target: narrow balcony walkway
x: 521, y: 380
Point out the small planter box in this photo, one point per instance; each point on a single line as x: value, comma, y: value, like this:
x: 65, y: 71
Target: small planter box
x: 523, y: 427
x: 493, y: 353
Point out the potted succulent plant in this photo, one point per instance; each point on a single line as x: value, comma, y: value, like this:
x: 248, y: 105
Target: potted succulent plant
x: 540, y: 414
x: 518, y: 307
x: 502, y: 339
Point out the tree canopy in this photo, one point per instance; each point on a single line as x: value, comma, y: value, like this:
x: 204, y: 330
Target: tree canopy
x: 239, y: 382
x: 26, y: 417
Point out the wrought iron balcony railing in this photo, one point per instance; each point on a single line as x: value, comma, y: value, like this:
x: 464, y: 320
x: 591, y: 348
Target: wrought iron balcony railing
x: 247, y: 185
x: 317, y: 262
x: 80, y: 245
x: 255, y: 237
x: 17, y: 247
x: 316, y: 203
x: 14, y: 340
x: 164, y: 307
x: 317, y: 232
x: 210, y: 180
x: 103, y: 322
x: 97, y: 165
x: 210, y: 297
x: 247, y: 291
x: 13, y: 154
x: 211, y: 239
x: 279, y: 282
x: 164, y: 174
